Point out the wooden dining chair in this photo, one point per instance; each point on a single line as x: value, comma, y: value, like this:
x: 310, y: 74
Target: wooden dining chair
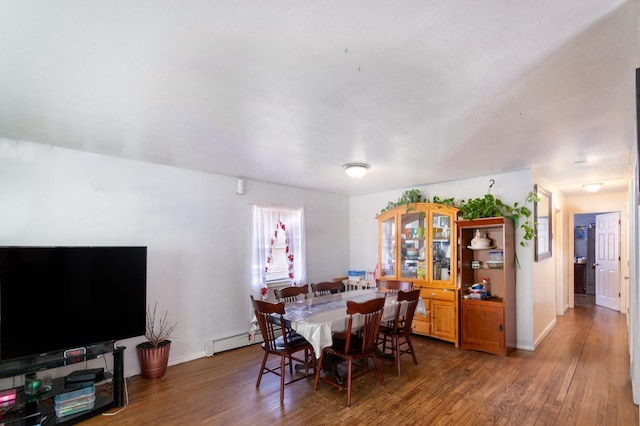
x: 280, y: 340
x: 327, y: 287
x: 400, y: 328
x: 357, y: 343
x: 394, y: 285
x: 291, y: 294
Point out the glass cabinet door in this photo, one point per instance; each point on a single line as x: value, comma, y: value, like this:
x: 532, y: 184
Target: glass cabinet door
x: 388, y: 247
x: 441, y: 246
x: 413, y: 247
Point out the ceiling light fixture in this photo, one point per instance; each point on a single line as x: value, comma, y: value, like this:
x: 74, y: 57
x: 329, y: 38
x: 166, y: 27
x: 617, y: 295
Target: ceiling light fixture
x: 592, y: 187
x: 356, y: 170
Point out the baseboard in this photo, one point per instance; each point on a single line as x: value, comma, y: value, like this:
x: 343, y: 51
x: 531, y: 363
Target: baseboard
x: 524, y: 347
x: 545, y: 333
x: 185, y: 358
x: 212, y: 347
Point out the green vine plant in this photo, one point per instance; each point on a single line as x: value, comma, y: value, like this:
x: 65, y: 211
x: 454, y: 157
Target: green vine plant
x: 476, y: 208
x: 410, y: 196
x: 490, y: 206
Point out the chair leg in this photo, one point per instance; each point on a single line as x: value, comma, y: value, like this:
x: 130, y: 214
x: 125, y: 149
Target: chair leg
x: 264, y: 362
x: 395, y: 342
x: 282, y: 373
x: 349, y: 371
x: 413, y: 353
x: 375, y: 362
x: 384, y: 343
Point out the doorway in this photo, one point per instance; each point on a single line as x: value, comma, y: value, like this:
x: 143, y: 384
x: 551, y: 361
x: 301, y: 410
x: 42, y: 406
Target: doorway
x: 596, y: 268
x: 584, y: 237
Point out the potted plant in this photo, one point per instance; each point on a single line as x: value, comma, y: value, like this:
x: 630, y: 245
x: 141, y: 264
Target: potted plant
x: 154, y: 353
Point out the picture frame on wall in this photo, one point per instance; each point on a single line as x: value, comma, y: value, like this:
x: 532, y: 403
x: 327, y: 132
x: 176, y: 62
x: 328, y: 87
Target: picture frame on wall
x: 542, y: 221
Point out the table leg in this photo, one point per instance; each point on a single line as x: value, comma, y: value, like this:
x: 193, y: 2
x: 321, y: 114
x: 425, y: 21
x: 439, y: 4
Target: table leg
x: 330, y: 367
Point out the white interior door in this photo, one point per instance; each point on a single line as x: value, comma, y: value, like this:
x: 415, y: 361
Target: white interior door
x: 607, y: 260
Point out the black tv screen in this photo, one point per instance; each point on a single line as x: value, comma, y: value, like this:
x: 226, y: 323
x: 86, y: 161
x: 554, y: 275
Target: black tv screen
x: 58, y: 298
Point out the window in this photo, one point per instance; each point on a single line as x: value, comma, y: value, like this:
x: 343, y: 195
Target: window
x: 278, y: 246
x: 279, y: 263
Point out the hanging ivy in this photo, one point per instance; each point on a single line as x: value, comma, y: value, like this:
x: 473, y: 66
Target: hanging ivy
x: 490, y: 206
x: 476, y: 208
x: 409, y: 196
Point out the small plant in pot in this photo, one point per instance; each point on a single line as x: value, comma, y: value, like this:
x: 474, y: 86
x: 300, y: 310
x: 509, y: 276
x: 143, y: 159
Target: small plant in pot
x: 154, y: 353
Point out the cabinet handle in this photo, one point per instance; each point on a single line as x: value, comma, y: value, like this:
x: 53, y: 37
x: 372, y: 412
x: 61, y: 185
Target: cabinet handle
x: 433, y: 294
x: 501, y: 328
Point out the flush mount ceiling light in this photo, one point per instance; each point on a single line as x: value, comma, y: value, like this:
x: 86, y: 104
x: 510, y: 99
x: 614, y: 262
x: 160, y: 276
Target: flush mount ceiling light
x: 592, y: 187
x: 356, y: 170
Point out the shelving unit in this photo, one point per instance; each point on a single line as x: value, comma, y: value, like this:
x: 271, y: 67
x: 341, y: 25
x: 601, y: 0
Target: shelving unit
x: 488, y: 325
x: 42, y: 405
x: 417, y: 243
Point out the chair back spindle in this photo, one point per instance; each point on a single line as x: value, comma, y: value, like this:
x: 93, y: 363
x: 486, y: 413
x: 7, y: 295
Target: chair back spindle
x: 291, y: 294
x: 327, y: 287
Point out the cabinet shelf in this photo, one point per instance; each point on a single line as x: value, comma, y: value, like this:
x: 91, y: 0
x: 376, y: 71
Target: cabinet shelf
x: 483, y: 269
x: 488, y: 301
x: 482, y: 248
x: 488, y: 325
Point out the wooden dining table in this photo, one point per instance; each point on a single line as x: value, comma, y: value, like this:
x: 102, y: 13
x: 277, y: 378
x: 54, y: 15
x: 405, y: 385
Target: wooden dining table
x: 317, y: 318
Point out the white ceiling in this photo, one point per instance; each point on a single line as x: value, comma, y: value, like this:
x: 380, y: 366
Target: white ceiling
x: 288, y: 91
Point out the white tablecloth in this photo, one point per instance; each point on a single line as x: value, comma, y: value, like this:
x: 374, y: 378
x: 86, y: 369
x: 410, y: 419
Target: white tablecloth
x: 317, y: 318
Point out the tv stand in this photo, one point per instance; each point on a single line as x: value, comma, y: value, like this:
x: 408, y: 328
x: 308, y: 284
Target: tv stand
x: 40, y: 408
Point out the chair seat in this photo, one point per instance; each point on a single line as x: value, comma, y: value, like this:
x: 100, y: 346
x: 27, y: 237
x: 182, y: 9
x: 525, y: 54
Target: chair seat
x: 391, y: 331
x: 294, y: 340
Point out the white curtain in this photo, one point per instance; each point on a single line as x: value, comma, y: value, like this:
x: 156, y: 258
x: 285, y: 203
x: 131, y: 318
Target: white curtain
x: 265, y: 219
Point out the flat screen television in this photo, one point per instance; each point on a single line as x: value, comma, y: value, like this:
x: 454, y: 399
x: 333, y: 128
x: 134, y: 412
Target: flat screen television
x: 57, y: 298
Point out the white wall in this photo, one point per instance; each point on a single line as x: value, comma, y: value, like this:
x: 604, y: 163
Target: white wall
x: 195, y: 226
x: 509, y: 187
x: 550, y: 288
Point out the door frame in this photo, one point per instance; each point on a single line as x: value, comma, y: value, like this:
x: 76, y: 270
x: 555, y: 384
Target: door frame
x: 624, y: 234
x: 609, y: 302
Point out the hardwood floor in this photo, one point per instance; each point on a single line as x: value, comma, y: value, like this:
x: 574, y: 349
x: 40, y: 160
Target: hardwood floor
x: 579, y: 375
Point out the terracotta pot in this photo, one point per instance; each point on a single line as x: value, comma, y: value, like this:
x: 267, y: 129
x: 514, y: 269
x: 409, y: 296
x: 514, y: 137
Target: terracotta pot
x: 153, y: 361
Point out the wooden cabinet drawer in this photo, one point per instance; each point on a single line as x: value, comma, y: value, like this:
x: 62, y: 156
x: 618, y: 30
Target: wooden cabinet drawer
x: 438, y: 294
x: 421, y: 326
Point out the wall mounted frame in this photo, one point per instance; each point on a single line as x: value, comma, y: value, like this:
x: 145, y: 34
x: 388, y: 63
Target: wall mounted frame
x: 542, y: 208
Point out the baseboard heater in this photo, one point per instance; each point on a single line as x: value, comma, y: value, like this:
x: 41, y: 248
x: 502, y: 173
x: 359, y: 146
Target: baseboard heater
x: 212, y: 347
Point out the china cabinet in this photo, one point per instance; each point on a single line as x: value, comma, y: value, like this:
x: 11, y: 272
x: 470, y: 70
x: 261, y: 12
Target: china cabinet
x: 488, y: 313
x: 417, y: 243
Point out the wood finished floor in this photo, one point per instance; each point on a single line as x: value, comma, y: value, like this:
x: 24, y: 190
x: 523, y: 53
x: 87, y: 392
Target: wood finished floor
x: 579, y: 375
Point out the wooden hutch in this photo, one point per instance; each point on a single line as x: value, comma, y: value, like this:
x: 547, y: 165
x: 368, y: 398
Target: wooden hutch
x: 417, y: 243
